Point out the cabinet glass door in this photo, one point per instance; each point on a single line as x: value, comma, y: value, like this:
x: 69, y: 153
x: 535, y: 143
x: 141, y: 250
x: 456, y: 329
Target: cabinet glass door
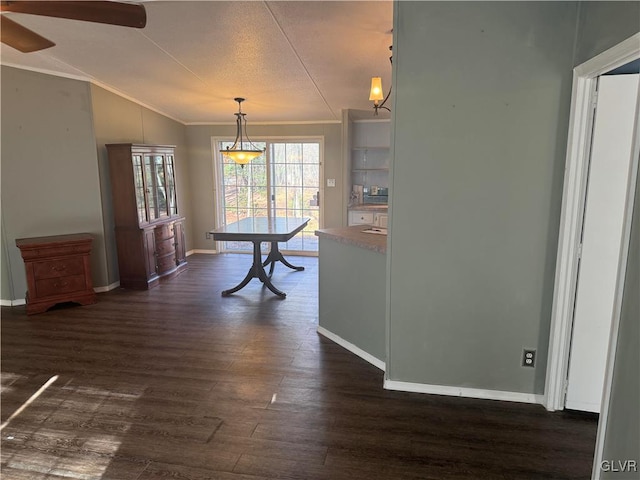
x: 161, y: 192
x: 138, y: 179
x: 171, y: 187
x: 151, y: 190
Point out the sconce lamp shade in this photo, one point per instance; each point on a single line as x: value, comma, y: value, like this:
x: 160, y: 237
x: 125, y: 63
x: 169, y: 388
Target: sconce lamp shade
x: 376, y: 94
x: 242, y: 151
x: 376, y: 90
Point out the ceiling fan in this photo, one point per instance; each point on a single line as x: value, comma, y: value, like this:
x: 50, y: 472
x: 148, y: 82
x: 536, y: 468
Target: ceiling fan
x: 25, y: 40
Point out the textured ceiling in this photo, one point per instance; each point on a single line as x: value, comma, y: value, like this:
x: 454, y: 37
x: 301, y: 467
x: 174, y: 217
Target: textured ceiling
x: 292, y: 61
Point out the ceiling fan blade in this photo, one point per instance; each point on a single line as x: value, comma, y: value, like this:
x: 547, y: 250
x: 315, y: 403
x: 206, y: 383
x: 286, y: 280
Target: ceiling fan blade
x: 21, y: 38
x: 112, y: 13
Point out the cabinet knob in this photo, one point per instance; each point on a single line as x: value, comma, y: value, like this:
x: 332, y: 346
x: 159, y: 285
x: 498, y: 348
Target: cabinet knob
x: 58, y: 268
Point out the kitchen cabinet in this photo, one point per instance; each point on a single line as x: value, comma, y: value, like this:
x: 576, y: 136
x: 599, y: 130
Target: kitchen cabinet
x: 380, y: 220
x: 359, y: 217
x: 58, y: 270
x: 368, y: 217
x: 149, y: 231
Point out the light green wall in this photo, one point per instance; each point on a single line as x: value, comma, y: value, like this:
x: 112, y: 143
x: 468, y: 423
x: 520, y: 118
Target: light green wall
x: 622, y: 439
x: 118, y: 120
x: 6, y: 285
x: 55, y: 175
x: 351, y: 295
x: 202, y: 176
x: 603, y: 25
x: 481, y: 108
x: 50, y: 181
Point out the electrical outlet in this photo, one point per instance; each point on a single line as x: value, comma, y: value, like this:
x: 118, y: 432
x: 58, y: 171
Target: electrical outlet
x: 528, y: 358
x: 207, y: 235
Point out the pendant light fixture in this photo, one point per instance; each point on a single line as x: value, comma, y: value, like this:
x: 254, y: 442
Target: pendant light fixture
x: 243, y: 150
x: 376, y: 93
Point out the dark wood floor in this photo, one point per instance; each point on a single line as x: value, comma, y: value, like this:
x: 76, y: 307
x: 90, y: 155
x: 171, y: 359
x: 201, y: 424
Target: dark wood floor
x: 182, y: 383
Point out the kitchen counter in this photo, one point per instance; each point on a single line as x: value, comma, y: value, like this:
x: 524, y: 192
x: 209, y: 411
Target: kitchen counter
x: 354, y: 235
x: 352, y: 290
x: 370, y: 207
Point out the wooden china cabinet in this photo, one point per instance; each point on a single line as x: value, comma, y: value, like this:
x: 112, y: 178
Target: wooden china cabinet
x: 149, y: 230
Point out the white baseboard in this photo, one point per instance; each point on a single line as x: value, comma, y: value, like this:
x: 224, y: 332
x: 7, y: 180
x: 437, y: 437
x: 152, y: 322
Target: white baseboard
x: 108, y: 288
x: 197, y: 250
x: 22, y: 301
x: 463, y: 392
x: 352, y: 348
x: 13, y: 303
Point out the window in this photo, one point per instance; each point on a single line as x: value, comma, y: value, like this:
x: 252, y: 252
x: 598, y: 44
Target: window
x: 285, y: 182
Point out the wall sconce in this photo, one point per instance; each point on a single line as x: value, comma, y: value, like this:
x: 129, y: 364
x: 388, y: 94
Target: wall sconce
x: 241, y: 152
x: 376, y: 93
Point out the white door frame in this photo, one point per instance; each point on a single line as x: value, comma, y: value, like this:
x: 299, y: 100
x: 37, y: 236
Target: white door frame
x: 575, y: 181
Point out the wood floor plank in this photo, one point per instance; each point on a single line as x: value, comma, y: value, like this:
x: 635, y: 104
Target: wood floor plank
x: 162, y: 471
x: 180, y: 382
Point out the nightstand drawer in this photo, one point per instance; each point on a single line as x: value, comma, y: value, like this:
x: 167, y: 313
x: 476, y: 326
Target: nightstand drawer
x: 58, y: 268
x: 57, y: 286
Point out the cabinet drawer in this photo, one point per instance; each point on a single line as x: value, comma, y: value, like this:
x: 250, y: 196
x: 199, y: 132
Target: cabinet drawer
x: 164, y: 246
x: 163, y: 232
x: 166, y: 263
x: 58, y: 268
x: 55, y: 286
x: 360, y: 218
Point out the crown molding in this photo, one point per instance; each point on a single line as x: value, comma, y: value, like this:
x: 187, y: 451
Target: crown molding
x: 93, y: 81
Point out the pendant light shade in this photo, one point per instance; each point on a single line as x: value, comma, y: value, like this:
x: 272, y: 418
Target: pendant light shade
x: 243, y: 150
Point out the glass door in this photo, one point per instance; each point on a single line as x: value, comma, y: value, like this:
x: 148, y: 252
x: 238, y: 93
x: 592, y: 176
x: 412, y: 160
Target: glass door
x: 285, y: 182
x: 295, y: 188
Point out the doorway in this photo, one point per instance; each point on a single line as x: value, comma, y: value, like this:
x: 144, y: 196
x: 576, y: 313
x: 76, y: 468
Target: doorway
x: 602, y: 238
x: 572, y: 216
x: 283, y: 182
x: 571, y: 221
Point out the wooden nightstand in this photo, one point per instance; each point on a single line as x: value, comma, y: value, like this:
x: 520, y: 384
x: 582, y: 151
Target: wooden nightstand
x: 58, y: 270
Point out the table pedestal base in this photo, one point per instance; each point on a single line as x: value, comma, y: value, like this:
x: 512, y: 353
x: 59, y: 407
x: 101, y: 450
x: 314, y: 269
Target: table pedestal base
x: 257, y: 269
x: 275, y: 256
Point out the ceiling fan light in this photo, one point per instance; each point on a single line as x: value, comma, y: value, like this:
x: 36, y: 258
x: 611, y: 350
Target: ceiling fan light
x: 376, y: 93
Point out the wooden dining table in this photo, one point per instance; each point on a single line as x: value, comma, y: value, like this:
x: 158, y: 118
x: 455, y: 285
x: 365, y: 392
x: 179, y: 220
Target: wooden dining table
x: 257, y: 230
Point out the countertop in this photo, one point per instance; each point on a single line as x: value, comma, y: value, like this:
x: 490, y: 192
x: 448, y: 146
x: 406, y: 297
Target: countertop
x: 370, y: 207
x: 354, y: 236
